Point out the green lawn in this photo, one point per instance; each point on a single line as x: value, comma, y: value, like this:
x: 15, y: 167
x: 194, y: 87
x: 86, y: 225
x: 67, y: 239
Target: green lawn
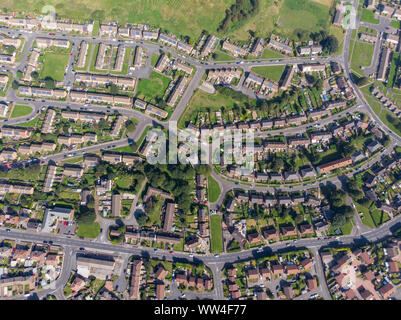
x: 95, y: 31
x: 220, y: 56
x: 216, y: 245
x: 361, y: 56
x: 32, y: 123
x: 392, y: 76
x: 154, y: 59
x: 153, y: 88
x: 395, y: 24
x: 20, y: 111
x: 270, y: 54
x: 202, y: 101
x: 88, y: 231
x: 54, y: 65
x: 369, y: 16
x: 213, y: 189
x: 273, y: 73
x: 190, y: 18
x: 367, y: 218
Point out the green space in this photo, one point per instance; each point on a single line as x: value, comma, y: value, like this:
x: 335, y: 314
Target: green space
x: 213, y: 189
x: 30, y: 124
x: 369, y: 16
x: 20, y: 111
x: 271, y: 72
x: 270, y: 54
x: 54, y: 65
x: 366, y: 218
x: 127, y: 149
x: 361, y: 56
x: 392, y: 76
x: 205, y: 102
x: 88, y: 231
x: 282, y: 17
x: 153, y: 59
x: 153, y: 89
x: 395, y: 24
x: 216, y: 234
x: 221, y: 56
x: 95, y: 31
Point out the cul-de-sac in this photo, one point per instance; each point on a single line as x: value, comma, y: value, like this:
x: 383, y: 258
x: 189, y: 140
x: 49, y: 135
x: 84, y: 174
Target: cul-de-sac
x: 200, y: 149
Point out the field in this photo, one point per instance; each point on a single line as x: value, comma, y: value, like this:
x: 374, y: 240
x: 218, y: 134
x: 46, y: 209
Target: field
x: 190, y: 17
x: 216, y: 234
x: 20, y: 111
x: 270, y: 54
x: 220, y: 56
x: 31, y: 124
x: 88, y: 231
x: 54, y: 66
x: 369, y: 16
x: 152, y: 89
x: 213, y: 189
x: 361, y: 56
x: 273, y: 73
x: 202, y: 101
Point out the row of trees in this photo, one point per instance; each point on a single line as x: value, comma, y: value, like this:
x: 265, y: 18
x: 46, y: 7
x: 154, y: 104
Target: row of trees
x: 240, y: 11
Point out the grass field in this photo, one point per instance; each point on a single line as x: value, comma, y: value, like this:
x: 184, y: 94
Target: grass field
x: 153, y: 88
x: 190, y: 17
x: 32, y: 123
x: 270, y: 54
x: 395, y: 24
x: 369, y: 16
x: 202, y: 101
x: 273, y: 73
x: 20, y: 111
x: 220, y: 56
x: 213, y: 189
x: 54, y: 66
x: 216, y: 243
x: 361, y: 56
x: 88, y: 231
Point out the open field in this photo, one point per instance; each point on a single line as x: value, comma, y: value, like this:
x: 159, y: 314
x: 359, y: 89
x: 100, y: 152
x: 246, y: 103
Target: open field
x: 270, y: 54
x: 88, y: 231
x: 369, y: 16
x: 271, y: 72
x: 282, y: 16
x: 152, y: 89
x: 54, y: 66
x: 202, y: 101
x: 20, y: 111
x: 216, y: 234
x: 361, y: 56
x: 221, y: 56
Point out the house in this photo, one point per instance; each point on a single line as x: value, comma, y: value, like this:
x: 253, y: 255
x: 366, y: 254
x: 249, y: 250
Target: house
x: 332, y: 165
x: 305, y: 229
x: 312, y: 284
x: 387, y: 290
x: 169, y: 217
x: 135, y: 279
x: 288, y: 292
x: 254, y: 237
x: 288, y: 231
x: 271, y: 234
x: 116, y: 205
x: 233, y: 49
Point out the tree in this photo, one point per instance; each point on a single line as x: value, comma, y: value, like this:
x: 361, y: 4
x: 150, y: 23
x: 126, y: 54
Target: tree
x: 86, y: 216
x: 114, y: 89
x: 362, y: 81
x: 15, y: 85
x: 35, y: 75
x: 330, y: 44
x: 339, y: 221
x: 50, y: 83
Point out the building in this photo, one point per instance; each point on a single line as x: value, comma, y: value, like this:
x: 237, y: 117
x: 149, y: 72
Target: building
x: 279, y: 46
x: 81, y: 96
x: 43, y: 43
x: 207, y: 48
x: 56, y: 213
x: 233, y: 49
x: 83, y: 52
x: 169, y: 217
x: 383, y: 64
x: 42, y: 92
x: 327, y: 167
x: 100, y: 267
